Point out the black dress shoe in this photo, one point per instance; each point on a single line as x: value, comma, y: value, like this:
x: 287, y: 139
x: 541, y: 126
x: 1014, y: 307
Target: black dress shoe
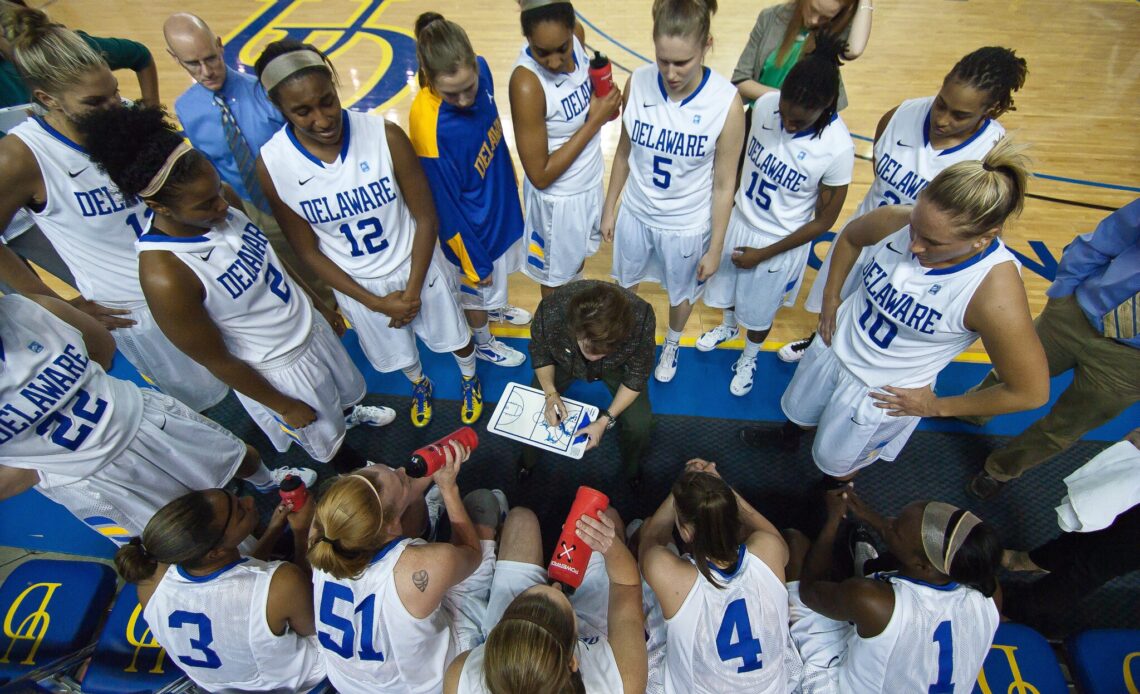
x: 786, y: 438
x: 983, y: 487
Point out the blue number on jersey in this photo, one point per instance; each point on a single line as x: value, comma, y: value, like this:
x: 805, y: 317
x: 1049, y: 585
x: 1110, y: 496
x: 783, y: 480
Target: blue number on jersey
x: 944, y: 637
x: 344, y: 647
x: 276, y: 282
x: 210, y: 660
x: 134, y: 223
x: 368, y: 239
x: 661, y: 176
x: 890, y: 198
x: 881, y: 331
x: 64, y: 423
x: 735, y: 621
x: 762, y: 199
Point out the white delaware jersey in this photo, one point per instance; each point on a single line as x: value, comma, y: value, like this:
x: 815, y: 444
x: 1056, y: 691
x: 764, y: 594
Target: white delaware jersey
x: 672, y: 148
x: 596, y: 663
x: 87, y: 220
x: 567, y: 105
x: 905, y: 163
x: 354, y: 204
x: 59, y: 411
x: 370, y: 641
x: 261, y: 312
x: 214, y: 627
x: 732, y: 639
x: 782, y: 173
x: 905, y: 322
x: 936, y: 641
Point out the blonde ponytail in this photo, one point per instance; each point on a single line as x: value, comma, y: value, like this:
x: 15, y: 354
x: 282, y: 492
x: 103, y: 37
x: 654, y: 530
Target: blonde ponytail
x: 49, y: 56
x: 982, y: 195
x: 683, y: 18
x: 348, y: 527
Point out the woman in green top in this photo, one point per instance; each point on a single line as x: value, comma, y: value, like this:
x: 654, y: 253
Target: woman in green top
x: 783, y: 32
x: 120, y: 54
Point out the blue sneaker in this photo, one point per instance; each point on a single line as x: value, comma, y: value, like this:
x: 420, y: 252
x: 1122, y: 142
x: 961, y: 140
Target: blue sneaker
x: 421, y: 403
x: 471, y: 400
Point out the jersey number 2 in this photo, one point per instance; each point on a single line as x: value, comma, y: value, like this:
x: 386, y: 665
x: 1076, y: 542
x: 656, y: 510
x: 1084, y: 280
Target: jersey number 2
x: 945, y: 640
x: 735, y: 623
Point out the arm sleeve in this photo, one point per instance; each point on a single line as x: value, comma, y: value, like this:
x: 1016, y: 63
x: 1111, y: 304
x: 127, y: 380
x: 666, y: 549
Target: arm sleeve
x: 746, y: 66
x: 1089, y: 252
x: 539, y: 346
x: 637, y: 368
x: 121, y: 54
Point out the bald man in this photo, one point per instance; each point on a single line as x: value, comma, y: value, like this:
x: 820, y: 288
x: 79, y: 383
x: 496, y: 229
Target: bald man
x: 227, y: 116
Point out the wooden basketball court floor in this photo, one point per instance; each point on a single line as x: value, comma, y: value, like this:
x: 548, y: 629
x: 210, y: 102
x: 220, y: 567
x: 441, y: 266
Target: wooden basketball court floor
x: 1078, y: 108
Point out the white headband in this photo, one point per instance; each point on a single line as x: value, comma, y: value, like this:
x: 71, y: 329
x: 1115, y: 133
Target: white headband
x: 287, y: 64
x: 159, y: 179
x: 535, y: 4
x: 940, y: 541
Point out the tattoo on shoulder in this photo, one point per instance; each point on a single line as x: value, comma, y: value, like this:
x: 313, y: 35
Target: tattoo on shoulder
x: 420, y: 580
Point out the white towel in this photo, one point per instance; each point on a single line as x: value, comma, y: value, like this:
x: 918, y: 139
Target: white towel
x: 1101, y: 489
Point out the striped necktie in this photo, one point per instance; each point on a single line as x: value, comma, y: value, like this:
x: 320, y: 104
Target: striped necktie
x: 243, y: 155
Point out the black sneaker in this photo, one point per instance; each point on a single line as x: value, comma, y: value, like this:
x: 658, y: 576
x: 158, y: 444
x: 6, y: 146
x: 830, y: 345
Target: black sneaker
x: 794, y: 351
x: 983, y: 487
x: 786, y: 438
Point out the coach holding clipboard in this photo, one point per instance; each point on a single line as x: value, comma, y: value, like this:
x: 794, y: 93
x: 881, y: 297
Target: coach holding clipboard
x: 592, y: 330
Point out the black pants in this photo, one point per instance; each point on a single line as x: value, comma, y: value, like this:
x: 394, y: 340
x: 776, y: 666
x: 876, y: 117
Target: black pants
x: 634, y: 424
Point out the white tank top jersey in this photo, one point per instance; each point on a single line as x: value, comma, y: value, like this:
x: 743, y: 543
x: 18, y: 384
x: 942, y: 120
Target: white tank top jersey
x: 596, y: 662
x: 905, y: 163
x: 354, y: 204
x: 567, y: 105
x: 370, y: 641
x: 730, y: 639
x: 261, y: 312
x: 936, y: 641
x: 906, y: 322
x: 214, y: 627
x: 782, y: 173
x: 59, y: 411
x: 87, y: 220
x: 672, y: 148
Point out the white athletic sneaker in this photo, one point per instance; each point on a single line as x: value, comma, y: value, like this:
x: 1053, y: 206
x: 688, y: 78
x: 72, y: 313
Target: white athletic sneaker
x: 721, y: 333
x: 667, y: 364
x: 794, y: 351
x: 371, y: 415
x: 434, y: 501
x: 742, y: 381
x: 510, y: 314
x: 499, y: 353
x: 309, y: 477
x: 504, y: 505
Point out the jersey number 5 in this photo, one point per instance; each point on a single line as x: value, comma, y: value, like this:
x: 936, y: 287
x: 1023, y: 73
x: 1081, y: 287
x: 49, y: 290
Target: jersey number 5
x: 661, y: 176
x: 735, y: 623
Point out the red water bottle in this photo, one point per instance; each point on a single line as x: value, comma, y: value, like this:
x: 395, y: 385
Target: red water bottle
x: 425, y: 461
x: 293, y: 491
x: 571, y: 553
x: 601, y: 76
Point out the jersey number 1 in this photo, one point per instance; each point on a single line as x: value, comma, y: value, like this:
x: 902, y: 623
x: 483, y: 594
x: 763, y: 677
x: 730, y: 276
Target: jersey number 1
x: 735, y: 623
x: 945, y: 640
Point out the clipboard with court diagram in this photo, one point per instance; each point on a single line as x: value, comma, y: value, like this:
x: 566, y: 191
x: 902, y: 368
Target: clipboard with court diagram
x: 520, y: 416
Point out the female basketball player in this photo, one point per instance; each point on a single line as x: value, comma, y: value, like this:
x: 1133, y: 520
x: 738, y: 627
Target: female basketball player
x: 218, y: 291
x: 937, y: 278
x: 46, y: 169
x: 682, y: 131
x: 353, y: 201
x: 231, y: 622
x: 724, y: 586
x: 110, y: 452
x: 540, y: 641
x: 920, y: 137
x: 392, y: 611
x: 456, y: 132
x: 796, y: 169
x: 557, y: 122
x: 925, y: 628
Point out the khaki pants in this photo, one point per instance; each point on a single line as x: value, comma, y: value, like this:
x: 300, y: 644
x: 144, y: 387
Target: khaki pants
x: 1106, y: 380
x: 268, y: 225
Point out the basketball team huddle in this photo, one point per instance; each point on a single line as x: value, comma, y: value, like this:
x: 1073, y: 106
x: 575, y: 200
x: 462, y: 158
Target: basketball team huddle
x: 208, y: 282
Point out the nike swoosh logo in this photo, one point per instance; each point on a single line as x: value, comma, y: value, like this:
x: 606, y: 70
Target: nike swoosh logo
x: 648, y: 105
x: 900, y: 143
x: 689, y: 255
x: 559, y: 84
x: 893, y: 249
x: 771, y: 271
x: 207, y: 255
x: 432, y: 283
x: 764, y: 126
x: 76, y: 173
x: 301, y: 183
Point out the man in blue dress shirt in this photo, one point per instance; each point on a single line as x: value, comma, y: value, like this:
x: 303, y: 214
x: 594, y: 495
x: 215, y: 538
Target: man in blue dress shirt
x: 1091, y: 324
x: 228, y: 117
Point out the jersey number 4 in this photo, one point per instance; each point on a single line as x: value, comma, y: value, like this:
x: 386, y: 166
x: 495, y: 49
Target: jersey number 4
x: 735, y: 624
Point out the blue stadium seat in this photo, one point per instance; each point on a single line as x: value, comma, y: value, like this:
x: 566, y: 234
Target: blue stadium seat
x: 49, y: 609
x: 127, y: 658
x: 1020, y: 656
x: 1106, y: 660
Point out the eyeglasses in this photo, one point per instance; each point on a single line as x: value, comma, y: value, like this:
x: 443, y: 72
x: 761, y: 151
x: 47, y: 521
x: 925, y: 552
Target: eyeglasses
x: 211, y: 61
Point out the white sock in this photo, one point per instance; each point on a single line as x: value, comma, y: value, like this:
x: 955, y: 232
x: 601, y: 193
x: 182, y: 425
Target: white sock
x: 466, y: 364
x: 415, y: 372
x: 261, y: 477
x: 751, y: 349
x: 729, y: 318
x: 673, y: 336
x: 482, y: 335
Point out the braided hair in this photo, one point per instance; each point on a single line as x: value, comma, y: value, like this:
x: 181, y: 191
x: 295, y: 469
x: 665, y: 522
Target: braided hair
x: 994, y: 70
x: 814, y: 81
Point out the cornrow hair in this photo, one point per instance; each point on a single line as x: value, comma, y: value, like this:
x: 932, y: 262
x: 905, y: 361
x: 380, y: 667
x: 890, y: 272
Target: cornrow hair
x: 996, y: 71
x: 814, y: 81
